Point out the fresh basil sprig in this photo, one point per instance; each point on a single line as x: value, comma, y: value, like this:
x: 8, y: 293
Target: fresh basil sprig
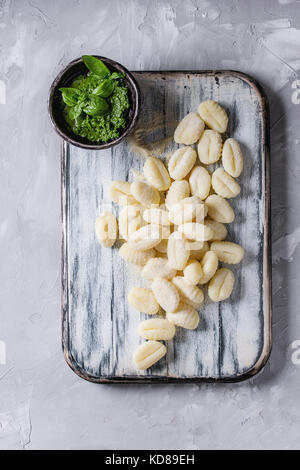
x: 77, y: 109
x: 87, y: 95
x: 105, y: 88
x: 96, y: 66
x: 70, y: 96
x: 96, y: 105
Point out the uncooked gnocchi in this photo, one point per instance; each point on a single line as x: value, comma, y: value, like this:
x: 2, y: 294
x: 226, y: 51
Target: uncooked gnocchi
x: 228, y: 252
x: 130, y: 220
x: 219, y: 229
x: 210, y: 147
x: 158, y: 267
x: 198, y: 253
x: 133, y: 256
x: 106, y: 229
x: 193, y: 272
x: 178, y: 251
x: 156, y: 174
x: 148, y: 353
x: 166, y: 294
x: 224, y: 184
x: 181, y: 162
x: 185, y: 316
x: 156, y: 216
x: 213, y: 115
x: 196, y: 231
x: 200, y: 182
x: 143, y: 300
x: 194, y: 245
x: 189, y: 129
x: 209, y: 265
x: 144, y: 193
x: 145, y: 237
x: 157, y: 329
x: 167, y: 224
x: 232, y: 157
x: 188, y: 209
x: 178, y: 190
x: 189, y: 293
x: 221, y: 285
x: 219, y: 209
x: 120, y: 193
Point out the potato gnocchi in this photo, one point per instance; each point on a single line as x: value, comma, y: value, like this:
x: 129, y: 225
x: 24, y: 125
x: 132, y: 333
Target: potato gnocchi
x: 147, y: 354
x: 213, y: 115
x: 195, y: 231
x: 143, y: 300
x: 194, y: 245
x: 178, y: 190
x: 181, y: 162
x: 198, y: 253
x: 145, y: 194
x: 187, y: 210
x: 232, y: 158
x: 221, y: 285
x: 219, y: 229
x: 156, y: 174
x: 166, y: 294
x: 120, y: 193
x: 133, y: 256
x: 145, y: 237
x: 178, y: 251
x: 210, y: 147
x: 175, y: 231
x: 189, y: 293
x: 200, y: 181
x: 157, y: 329
x: 158, y: 267
x: 157, y: 216
x: 224, y: 184
x: 193, y: 272
x: 106, y: 228
x: 219, y: 209
x: 228, y: 252
x: 189, y: 129
x: 185, y: 316
x: 209, y: 265
x: 130, y: 220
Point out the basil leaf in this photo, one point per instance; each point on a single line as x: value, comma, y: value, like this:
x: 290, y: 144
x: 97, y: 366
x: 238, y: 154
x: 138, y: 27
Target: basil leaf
x: 96, y: 105
x: 71, y: 114
x: 105, y: 88
x: 78, y: 109
x: 70, y: 95
x: 79, y: 81
x: 96, y: 66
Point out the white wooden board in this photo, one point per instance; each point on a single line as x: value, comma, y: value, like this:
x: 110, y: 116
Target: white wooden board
x: 233, y: 340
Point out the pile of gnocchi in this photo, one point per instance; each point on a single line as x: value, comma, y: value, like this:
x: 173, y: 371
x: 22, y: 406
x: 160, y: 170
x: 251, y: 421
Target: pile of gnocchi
x: 173, y: 224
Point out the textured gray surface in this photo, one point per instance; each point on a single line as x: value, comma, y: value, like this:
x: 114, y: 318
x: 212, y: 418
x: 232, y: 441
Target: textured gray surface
x: 101, y: 327
x: 43, y: 404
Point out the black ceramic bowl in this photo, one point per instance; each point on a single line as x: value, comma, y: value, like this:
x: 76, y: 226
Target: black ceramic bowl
x: 65, y: 78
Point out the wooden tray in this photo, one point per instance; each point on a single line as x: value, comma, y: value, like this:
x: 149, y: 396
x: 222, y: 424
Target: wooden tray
x: 233, y: 341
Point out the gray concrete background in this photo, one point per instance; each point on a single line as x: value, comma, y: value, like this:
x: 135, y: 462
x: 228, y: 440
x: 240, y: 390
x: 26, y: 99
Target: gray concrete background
x: 43, y: 405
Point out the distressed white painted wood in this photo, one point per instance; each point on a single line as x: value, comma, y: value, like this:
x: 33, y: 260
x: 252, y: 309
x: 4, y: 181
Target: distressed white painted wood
x: 99, y: 327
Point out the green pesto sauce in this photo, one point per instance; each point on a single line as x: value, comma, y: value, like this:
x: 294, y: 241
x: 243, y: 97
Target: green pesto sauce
x: 96, y: 105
